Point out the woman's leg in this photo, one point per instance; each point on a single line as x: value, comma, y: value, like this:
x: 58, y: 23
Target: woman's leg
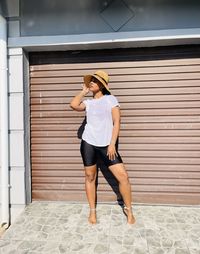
x: 88, y: 154
x: 121, y: 175
x: 90, y: 187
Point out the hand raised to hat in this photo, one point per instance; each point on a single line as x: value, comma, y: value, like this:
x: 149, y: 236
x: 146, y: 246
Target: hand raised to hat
x: 85, y: 89
x: 76, y: 102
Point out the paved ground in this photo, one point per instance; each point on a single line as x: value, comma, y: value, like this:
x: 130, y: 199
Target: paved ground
x: 58, y: 227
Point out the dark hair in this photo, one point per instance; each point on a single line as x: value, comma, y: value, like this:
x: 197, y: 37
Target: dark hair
x: 105, y: 91
x: 102, y: 88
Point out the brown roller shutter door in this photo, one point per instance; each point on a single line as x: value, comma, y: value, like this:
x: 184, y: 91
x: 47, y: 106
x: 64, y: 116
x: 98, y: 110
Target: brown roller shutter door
x: 159, y: 93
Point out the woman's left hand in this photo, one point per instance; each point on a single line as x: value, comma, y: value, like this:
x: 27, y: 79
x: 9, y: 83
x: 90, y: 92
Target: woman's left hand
x: 111, y: 152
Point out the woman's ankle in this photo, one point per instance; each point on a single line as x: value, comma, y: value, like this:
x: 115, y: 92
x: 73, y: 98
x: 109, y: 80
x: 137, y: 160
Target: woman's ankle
x: 92, y: 216
x: 128, y: 208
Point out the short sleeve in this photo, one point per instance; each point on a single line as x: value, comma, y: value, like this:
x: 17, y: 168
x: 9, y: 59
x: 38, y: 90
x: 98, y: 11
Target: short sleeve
x: 113, y: 101
x: 86, y: 102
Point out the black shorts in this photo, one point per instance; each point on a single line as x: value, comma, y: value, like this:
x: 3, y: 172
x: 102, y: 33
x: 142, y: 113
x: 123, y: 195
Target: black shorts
x: 90, y: 154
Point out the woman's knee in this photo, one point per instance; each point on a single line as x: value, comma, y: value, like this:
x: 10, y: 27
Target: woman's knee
x: 90, y: 177
x: 90, y: 173
x: 123, y: 178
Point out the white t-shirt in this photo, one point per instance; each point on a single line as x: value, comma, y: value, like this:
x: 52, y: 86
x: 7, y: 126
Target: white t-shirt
x: 98, y: 130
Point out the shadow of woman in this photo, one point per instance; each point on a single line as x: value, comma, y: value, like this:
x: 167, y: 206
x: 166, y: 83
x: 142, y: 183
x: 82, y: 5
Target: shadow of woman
x: 111, y: 180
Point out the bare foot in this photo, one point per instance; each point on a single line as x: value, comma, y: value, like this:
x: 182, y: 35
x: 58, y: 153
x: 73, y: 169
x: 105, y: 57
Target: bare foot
x: 92, y: 217
x: 128, y: 212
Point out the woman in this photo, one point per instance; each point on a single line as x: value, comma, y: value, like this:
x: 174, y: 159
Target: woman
x: 99, y: 138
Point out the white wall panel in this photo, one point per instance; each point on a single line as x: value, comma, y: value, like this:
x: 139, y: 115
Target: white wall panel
x: 15, y: 73
x: 17, y: 186
x: 16, y: 210
x: 17, y: 149
x: 16, y: 111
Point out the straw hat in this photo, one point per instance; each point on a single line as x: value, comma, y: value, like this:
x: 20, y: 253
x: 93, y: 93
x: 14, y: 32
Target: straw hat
x: 102, y: 76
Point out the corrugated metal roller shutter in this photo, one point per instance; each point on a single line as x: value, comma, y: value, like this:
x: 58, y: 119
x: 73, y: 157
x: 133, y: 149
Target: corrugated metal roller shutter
x: 159, y: 92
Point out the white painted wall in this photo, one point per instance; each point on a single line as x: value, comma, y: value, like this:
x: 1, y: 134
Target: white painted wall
x: 16, y: 132
x: 10, y: 9
x: 16, y: 127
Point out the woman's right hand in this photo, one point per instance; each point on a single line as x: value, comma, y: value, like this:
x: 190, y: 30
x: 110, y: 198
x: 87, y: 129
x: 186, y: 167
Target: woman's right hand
x: 76, y: 103
x: 85, y: 89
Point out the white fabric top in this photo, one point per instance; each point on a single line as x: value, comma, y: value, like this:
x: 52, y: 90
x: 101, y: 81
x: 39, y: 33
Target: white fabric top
x: 98, y: 130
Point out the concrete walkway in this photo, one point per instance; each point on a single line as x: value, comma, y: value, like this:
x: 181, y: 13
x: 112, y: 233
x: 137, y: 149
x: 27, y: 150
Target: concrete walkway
x: 58, y: 227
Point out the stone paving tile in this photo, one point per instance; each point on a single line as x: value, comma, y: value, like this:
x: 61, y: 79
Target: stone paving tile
x: 58, y: 227
x: 193, y: 251
x: 153, y: 250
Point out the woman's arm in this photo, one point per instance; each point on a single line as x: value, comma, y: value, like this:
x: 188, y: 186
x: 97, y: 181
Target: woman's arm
x: 115, y: 132
x: 116, y: 124
x: 76, y: 102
